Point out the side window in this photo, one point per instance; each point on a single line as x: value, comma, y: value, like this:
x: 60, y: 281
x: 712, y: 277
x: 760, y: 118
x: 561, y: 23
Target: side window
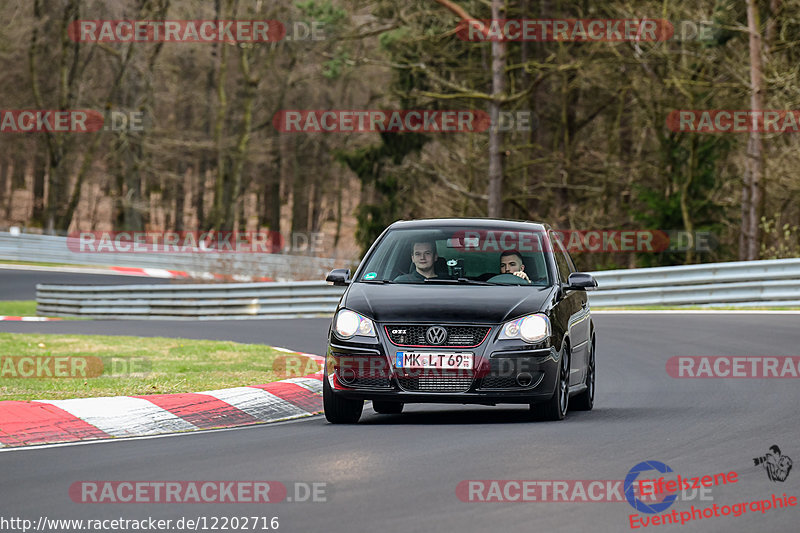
x: 570, y: 262
x: 563, y: 262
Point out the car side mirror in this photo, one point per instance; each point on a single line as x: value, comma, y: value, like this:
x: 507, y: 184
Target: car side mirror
x: 581, y: 281
x: 339, y: 276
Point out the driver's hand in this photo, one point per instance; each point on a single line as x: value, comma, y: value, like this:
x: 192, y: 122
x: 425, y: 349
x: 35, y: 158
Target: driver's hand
x: 522, y: 275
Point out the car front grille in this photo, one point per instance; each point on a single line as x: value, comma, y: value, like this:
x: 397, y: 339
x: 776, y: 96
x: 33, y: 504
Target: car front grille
x: 442, y: 383
x: 370, y: 383
x: 503, y: 373
x: 499, y: 382
x: 362, y: 371
x: 461, y: 336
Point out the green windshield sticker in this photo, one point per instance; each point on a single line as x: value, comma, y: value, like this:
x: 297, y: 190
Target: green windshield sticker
x: 371, y: 275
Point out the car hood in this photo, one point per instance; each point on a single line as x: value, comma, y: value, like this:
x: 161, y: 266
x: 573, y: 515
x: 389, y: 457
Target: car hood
x: 436, y: 303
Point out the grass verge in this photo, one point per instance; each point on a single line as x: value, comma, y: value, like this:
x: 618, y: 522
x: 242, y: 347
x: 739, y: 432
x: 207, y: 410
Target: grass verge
x: 14, y: 262
x: 26, y: 308
x: 17, y: 307
x: 131, y: 365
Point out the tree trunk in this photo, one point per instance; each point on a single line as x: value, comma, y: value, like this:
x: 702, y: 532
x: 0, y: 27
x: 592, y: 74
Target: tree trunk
x: 221, y: 186
x: 238, y: 156
x: 300, y: 191
x: 199, y: 200
x: 180, y: 194
x: 685, y: 185
x: 772, y: 24
x: 5, y: 187
x: 270, y: 205
x: 495, y: 207
x: 755, y: 155
x: 39, y: 172
x: 339, y: 193
x: 744, y: 234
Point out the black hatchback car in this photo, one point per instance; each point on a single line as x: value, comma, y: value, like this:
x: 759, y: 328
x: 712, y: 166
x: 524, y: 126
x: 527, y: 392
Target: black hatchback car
x: 472, y: 311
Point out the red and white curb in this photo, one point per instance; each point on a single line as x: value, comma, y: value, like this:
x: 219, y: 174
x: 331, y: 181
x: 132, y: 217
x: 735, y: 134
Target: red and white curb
x: 163, y: 273
x: 135, y: 271
x: 50, y: 421
x: 150, y: 272
x: 29, y: 318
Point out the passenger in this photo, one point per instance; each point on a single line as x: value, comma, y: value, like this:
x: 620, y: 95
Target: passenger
x: 424, y: 257
x: 511, y: 263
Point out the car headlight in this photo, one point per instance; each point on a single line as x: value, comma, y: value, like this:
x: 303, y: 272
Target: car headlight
x: 531, y: 328
x: 349, y: 323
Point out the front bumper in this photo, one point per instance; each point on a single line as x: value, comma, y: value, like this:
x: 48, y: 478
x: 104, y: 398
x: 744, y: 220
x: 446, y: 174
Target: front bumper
x: 504, y: 371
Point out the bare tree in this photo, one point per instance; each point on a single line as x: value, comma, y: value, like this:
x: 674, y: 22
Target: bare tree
x: 498, y: 74
x: 752, y: 190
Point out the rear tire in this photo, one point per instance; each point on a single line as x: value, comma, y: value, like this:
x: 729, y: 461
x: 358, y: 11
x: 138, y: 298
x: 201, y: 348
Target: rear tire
x: 557, y: 406
x: 387, y: 408
x: 339, y: 410
x: 585, y: 400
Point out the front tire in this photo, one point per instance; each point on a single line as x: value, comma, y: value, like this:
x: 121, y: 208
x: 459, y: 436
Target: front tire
x: 387, y: 408
x: 585, y: 400
x: 339, y: 410
x: 556, y: 407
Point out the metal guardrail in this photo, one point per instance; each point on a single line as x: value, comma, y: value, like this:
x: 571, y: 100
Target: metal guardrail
x: 763, y: 283
x: 54, y: 249
x: 770, y: 283
x: 194, y: 301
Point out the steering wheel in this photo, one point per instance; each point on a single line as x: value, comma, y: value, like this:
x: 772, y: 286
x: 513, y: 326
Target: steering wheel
x: 508, y: 279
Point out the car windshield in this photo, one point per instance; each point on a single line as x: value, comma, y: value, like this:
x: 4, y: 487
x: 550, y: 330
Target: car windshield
x: 459, y: 255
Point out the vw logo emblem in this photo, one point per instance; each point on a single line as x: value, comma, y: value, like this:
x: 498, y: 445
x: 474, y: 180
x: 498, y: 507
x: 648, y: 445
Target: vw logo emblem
x: 436, y: 335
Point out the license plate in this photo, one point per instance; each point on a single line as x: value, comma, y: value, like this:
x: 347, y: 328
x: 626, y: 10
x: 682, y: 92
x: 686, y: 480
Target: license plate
x: 457, y: 360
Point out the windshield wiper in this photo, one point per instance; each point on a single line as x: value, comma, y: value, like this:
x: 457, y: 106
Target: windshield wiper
x: 465, y: 281
x: 376, y: 281
x: 473, y: 281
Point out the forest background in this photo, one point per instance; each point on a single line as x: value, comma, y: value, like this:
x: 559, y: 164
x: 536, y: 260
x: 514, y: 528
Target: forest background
x: 597, y: 155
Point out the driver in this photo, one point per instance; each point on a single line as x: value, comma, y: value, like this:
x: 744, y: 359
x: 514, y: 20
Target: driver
x: 511, y: 263
x: 424, y: 257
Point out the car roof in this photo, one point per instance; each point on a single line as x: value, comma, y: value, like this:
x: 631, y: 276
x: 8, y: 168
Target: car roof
x: 476, y: 222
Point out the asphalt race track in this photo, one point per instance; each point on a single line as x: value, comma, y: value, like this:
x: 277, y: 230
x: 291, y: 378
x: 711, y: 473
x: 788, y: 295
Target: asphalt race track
x: 398, y: 473
x: 306, y: 335
x: 21, y: 284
